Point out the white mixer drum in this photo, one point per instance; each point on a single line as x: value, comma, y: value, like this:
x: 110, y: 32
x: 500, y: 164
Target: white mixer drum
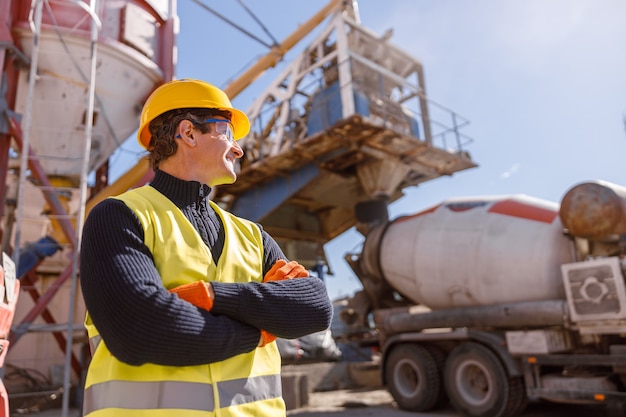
x: 472, y: 252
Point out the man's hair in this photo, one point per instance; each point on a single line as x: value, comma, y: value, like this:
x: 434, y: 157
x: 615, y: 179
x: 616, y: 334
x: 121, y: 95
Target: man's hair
x: 163, y: 144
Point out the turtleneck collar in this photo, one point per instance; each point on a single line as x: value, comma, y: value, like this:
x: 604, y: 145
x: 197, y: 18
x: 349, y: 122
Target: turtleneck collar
x: 181, y: 192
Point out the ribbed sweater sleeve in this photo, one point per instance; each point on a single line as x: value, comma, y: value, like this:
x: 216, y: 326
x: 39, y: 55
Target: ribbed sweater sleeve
x: 288, y: 309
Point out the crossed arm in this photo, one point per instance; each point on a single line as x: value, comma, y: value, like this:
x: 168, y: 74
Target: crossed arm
x: 141, y: 322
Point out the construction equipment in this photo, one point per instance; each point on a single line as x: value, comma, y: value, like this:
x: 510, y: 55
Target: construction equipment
x: 339, y: 134
x: 491, y: 301
x: 74, y: 76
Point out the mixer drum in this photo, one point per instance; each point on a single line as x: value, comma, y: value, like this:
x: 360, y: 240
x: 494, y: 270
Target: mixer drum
x: 472, y: 252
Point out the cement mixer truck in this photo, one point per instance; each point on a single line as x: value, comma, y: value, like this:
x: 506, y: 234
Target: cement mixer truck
x: 486, y: 303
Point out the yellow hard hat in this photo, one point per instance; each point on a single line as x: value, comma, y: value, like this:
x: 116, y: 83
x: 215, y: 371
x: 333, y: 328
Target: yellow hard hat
x: 188, y: 93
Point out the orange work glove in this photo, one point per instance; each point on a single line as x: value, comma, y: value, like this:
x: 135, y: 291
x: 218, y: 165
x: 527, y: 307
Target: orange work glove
x: 195, y: 293
x: 282, y: 270
x: 266, y: 338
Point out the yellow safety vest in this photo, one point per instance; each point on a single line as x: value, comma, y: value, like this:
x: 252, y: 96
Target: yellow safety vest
x: 244, y: 385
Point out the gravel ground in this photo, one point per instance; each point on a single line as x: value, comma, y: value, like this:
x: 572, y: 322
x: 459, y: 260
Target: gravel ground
x: 379, y: 403
x: 355, y: 403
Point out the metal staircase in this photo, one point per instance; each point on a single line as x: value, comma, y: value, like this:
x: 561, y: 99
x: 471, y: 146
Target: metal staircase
x: 58, y: 170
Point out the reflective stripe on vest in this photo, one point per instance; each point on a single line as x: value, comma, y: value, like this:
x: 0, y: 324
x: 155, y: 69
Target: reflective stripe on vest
x: 179, y: 395
x: 148, y: 395
x: 247, y: 390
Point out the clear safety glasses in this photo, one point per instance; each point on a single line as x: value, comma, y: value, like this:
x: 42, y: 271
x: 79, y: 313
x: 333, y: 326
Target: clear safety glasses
x: 221, y: 127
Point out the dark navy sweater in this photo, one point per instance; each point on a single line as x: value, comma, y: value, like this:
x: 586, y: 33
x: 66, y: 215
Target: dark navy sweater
x: 141, y: 322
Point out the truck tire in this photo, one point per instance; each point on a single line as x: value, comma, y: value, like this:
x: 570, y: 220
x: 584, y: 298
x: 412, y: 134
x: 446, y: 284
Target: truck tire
x: 413, y: 377
x: 478, y: 385
x: 439, y: 356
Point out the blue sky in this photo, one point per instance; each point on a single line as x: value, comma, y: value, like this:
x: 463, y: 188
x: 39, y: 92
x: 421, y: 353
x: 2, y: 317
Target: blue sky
x: 543, y: 83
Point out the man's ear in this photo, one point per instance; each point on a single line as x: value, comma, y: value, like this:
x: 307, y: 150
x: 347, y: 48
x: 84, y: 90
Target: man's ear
x: 185, y: 132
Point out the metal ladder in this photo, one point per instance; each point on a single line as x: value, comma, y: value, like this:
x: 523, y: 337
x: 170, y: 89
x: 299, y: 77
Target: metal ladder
x: 59, y: 194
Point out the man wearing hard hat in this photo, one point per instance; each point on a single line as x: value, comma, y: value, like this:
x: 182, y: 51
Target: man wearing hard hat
x: 184, y: 299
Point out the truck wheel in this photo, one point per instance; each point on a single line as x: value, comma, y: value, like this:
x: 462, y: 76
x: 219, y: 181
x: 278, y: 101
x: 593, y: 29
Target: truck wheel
x: 439, y: 356
x: 478, y: 385
x: 413, y: 377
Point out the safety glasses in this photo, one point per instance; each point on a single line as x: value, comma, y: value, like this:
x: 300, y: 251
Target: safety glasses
x: 221, y: 127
